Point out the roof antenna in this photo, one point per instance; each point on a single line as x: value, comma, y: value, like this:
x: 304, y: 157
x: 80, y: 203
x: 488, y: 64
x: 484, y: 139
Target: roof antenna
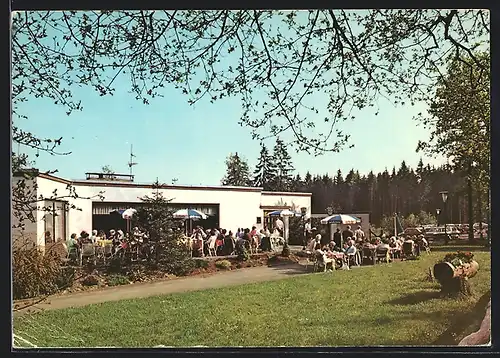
x: 131, y: 163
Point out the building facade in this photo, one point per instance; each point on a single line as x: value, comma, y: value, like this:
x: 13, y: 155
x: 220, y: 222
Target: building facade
x: 95, y: 204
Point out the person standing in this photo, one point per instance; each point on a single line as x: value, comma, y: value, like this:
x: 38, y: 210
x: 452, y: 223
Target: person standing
x: 307, y: 233
x: 359, y: 235
x: 337, y: 238
x: 278, y: 224
x: 347, y: 233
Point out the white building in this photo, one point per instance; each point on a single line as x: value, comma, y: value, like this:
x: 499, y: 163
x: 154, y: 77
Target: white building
x: 228, y: 207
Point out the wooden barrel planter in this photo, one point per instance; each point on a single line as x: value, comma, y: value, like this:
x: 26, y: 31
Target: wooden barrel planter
x: 453, y: 279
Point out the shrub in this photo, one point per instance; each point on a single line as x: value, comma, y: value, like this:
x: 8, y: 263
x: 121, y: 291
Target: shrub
x: 242, y: 253
x: 456, y: 258
x: 117, y: 280
x: 180, y: 267
x: 115, y: 265
x: 136, y: 275
x: 201, y: 264
x: 33, y: 273
x: 66, y: 277
x: 90, y: 280
x: 223, y: 264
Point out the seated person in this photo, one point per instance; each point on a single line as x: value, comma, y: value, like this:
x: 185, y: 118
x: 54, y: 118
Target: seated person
x: 94, y: 238
x: 312, y: 244
x: 351, y: 247
x: 84, y: 238
x: 409, y: 239
x: 383, y: 245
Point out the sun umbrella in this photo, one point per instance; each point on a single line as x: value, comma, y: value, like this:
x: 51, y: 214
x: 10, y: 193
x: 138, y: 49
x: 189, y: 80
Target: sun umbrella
x: 189, y: 214
x: 127, y: 214
x: 340, y: 219
x: 279, y: 213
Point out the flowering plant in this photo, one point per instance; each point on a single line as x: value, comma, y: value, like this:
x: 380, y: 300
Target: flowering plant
x: 458, y: 258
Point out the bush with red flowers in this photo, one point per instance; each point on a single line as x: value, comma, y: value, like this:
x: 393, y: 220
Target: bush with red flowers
x: 458, y: 258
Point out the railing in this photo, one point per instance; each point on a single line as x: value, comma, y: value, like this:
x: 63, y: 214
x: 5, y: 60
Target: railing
x: 110, y: 176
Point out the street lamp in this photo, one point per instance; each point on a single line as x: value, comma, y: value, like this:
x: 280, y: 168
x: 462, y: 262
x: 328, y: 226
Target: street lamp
x: 303, y: 211
x: 444, y: 196
x: 329, y: 211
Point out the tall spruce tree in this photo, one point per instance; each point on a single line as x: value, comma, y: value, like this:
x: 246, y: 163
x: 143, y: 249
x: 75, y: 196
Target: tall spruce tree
x: 265, y: 171
x: 237, y: 171
x: 156, y: 219
x: 284, y: 167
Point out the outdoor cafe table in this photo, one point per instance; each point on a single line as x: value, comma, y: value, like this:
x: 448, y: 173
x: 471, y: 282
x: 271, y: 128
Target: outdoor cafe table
x: 373, y: 249
x: 102, y: 243
x: 336, y: 256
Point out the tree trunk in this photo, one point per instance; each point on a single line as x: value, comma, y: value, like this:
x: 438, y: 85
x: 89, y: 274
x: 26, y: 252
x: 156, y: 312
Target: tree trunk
x: 470, y: 211
x: 480, y: 213
x: 454, y: 280
x: 483, y: 335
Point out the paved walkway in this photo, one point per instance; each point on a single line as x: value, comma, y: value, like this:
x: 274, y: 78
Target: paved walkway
x: 141, y: 290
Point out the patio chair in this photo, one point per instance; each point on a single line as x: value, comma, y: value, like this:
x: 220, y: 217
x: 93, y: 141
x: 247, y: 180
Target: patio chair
x: 310, y: 259
x: 99, y: 253
x: 353, y: 258
x: 88, y: 252
x: 107, y: 252
x: 73, y: 255
x: 408, y: 250
x: 368, y: 254
x: 322, y: 261
x: 212, y: 249
x: 382, y: 254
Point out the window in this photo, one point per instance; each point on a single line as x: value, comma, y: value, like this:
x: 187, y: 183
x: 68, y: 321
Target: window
x: 259, y: 220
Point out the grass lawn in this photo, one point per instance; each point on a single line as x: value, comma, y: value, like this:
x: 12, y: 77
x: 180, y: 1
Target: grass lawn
x: 389, y: 304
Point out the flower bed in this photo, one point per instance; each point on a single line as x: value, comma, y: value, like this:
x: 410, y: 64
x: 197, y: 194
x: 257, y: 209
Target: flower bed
x: 99, y: 278
x: 458, y: 258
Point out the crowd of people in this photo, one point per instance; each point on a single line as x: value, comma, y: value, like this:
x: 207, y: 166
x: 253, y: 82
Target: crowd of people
x: 350, y: 243
x: 213, y: 242
x: 221, y: 242
x: 202, y: 242
x: 117, y: 239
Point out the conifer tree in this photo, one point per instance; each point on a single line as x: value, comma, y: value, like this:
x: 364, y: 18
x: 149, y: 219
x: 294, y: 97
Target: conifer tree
x: 265, y: 171
x: 237, y: 171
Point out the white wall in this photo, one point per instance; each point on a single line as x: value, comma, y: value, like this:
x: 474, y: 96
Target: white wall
x: 29, y: 232
x: 296, y: 200
x: 237, y: 208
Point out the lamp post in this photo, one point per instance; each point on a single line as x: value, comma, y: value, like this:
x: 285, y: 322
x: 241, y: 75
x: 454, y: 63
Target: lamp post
x: 303, y: 211
x: 444, y: 196
x: 329, y: 211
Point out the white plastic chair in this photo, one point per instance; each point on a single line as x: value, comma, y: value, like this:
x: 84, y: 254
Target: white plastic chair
x: 88, y: 251
x: 212, y: 249
x: 353, y: 257
x: 107, y: 251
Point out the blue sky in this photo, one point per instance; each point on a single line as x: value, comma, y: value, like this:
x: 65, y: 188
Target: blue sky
x: 172, y: 139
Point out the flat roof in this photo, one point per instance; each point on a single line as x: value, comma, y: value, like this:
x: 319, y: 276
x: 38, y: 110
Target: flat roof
x: 121, y: 184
